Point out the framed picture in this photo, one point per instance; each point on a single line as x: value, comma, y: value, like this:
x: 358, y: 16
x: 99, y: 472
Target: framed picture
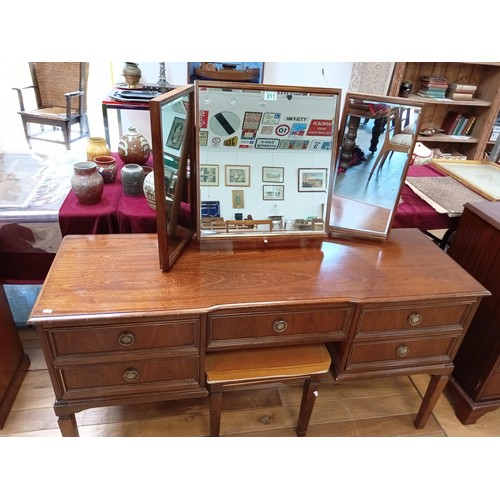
x: 248, y: 72
x: 237, y: 175
x: 273, y: 174
x: 175, y: 135
x: 312, y: 179
x: 273, y: 192
x: 238, y: 196
x: 209, y: 175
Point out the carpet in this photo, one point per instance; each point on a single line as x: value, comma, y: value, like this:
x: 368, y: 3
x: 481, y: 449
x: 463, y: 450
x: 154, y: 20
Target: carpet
x: 444, y: 194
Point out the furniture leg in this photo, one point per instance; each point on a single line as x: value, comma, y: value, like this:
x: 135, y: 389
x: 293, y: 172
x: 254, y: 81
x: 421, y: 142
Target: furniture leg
x: 106, y: 123
x: 67, y: 425
x: 434, y: 390
x: 377, y: 129
x: 349, y: 141
x: 309, y: 395
x: 215, y: 401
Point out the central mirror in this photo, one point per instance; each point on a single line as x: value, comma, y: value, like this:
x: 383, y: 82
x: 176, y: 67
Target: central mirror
x: 378, y: 137
x: 265, y: 157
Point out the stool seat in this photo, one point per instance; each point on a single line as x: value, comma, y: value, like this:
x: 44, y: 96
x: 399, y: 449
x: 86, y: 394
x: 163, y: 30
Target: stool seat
x: 248, y: 366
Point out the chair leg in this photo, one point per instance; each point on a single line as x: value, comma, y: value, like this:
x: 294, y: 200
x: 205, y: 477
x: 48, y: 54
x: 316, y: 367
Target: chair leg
x: 309, y: 394
x: 66, y: 130
x: 379, y: 161
x: 215, y: 402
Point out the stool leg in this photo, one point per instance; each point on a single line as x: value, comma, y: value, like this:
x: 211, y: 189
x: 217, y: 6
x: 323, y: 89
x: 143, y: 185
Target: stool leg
x: 311, y: 386
x: 215, y: 401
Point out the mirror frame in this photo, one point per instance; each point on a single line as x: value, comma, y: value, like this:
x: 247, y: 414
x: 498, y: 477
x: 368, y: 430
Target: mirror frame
x: 172, y: 236
x: 343, y: 135
x: 285, y: 237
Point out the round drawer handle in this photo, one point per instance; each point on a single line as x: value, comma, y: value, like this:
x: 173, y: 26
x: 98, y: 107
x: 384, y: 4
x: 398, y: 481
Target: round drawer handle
x: 402, y: 351
x: 279, y: 326
x: 131, y: 374
x: 126, y: 338
x: 414, y: 319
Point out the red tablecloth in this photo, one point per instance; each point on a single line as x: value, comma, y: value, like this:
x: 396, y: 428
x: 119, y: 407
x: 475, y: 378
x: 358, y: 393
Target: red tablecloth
x: 415, y: 212
x: 115, y: 213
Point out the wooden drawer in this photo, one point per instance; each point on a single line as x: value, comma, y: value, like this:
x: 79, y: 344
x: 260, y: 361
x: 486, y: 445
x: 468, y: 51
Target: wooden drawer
x: 275, y: 326
x: 119, y: 379
x: 85, y: 341
x: 392, y: 320
x: 383, y: 355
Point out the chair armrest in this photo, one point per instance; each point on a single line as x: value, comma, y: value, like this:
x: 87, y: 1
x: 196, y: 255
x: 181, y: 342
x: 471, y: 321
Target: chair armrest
x: 19, y: 91
x: 69, y: 96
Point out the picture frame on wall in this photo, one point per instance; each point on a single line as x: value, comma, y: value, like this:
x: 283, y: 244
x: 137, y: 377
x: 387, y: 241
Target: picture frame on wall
x: 174, y: 139
x: 209, y: 175
x: 273, y: 192
x: 312, y: 179
x: 238, y: 175
x: 246, y: 72
x: 273, y: 174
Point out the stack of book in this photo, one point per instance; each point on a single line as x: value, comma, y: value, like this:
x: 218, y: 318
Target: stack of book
x: 460, y: 91
x: 433, y: 86
x: 456, y: 123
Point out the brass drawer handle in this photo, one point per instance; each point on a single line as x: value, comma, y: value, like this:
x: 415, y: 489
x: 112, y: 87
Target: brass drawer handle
x: 126, y: 338
x: 131, y: 375
x: 402, y: 351
x: 279, y: 326
x: 414, y: 319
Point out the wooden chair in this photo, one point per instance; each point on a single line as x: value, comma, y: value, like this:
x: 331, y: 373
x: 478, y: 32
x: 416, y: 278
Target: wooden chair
x: 395, y: 139
x: 262, y: 365
x: 60, y: 91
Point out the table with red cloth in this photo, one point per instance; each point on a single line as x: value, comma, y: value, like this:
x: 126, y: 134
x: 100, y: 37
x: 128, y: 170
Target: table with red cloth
x: 115, y: 213
x: 415, y: 212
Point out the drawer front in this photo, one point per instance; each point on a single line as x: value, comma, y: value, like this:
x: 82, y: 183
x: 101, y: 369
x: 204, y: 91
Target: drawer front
x: 118, y: 379
x: 402, y: 353
x: 125, y: 338
x: 412, y: 318
x: 277, y: 326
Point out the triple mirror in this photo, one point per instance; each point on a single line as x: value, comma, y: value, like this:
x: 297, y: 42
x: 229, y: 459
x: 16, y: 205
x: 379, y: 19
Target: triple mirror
x: 254, y: 162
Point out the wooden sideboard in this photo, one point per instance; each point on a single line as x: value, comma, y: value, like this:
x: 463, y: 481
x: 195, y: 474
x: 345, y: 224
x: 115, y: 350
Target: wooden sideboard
x: 116, y: 330
x: 476, y: 377
x: 14, y: 362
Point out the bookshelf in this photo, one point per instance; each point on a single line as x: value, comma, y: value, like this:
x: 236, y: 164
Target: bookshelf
x: 485, y: 105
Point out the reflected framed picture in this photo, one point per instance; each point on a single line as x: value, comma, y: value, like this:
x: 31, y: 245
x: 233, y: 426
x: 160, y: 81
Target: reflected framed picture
x: 175, y: 135
x: 273, y: 192
x: 312, y: 179
x: 273, y: 174
x: 237, y: 175
x: 209, y: 175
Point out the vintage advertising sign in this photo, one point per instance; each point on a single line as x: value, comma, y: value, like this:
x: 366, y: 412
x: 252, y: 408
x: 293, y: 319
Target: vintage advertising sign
x: 320, y: 127
x: 267, y: 143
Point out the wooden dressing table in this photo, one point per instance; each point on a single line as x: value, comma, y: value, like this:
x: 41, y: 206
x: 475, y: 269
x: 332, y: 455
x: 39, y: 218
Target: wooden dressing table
x: 116, y: 330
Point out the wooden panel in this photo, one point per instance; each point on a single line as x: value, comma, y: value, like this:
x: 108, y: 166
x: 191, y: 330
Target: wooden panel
x: 101, y: 339
x: 108, y: 380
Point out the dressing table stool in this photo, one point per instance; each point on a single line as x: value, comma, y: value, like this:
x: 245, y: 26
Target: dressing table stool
x: 261, y: 365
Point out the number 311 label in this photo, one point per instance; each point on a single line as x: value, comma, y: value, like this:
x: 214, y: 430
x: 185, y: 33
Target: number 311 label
x: 270, y: 95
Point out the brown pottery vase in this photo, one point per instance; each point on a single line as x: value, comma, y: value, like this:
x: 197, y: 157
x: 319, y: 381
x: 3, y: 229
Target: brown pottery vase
x: 106, y: 166
x: 87, y: 183
x: 133, y: 147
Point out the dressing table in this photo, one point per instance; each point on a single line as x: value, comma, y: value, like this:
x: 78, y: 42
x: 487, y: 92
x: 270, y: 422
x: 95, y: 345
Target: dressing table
x: 128, y: 318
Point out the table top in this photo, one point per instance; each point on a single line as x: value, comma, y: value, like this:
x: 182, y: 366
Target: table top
x: 125, y: 279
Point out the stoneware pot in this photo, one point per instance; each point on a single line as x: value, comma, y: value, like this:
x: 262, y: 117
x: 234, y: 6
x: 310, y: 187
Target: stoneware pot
x: 133, y: 147
x: 149, y: 189
x: 132, y: 74
x: 106, y: 166
x: 132, y: 179
x: 87, y: 183
x: 97, y: 146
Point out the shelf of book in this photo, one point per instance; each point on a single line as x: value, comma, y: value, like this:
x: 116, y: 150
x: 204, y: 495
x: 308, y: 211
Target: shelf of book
x: 480, y: 79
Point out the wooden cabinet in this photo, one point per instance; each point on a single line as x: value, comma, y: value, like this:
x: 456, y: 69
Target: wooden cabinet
x: 485, y: 105
x: 384, y: 308
x: 476, y: 377
x: 14, y: 362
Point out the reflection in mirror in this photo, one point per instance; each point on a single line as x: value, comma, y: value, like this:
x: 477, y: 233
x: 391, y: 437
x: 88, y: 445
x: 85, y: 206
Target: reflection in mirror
x: 265, y: 159
x: 173, y: 154
x: 378, y: 135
